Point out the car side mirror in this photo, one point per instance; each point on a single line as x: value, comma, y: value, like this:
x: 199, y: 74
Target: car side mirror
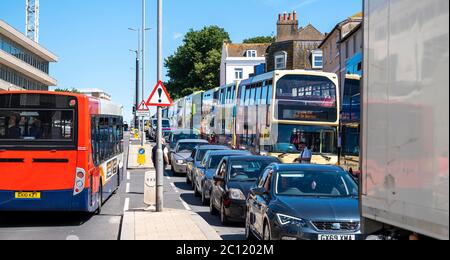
x: 259, y: 191
x: 217, y: 178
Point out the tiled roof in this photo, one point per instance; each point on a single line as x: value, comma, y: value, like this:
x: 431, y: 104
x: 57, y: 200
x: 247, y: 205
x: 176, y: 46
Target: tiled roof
x: 239, y: 50
x: 310, y: 33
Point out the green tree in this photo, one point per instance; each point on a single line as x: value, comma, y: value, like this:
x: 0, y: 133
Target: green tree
x: 66, y: 90
x: 195, y: 65
x: 260, y: 39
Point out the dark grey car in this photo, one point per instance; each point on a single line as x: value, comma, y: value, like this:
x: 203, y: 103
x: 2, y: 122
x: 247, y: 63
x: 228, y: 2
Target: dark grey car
x: 303, y: 202
x: 204, y: 174
x: 197, y: 157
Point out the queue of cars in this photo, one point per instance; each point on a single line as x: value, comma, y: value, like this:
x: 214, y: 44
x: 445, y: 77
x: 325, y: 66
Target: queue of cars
x: 275, y: 201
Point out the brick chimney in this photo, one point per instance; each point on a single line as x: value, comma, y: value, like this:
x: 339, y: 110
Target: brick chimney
x: 287, y: 27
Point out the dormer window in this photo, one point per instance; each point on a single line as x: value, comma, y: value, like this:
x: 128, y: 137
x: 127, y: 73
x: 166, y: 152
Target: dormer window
x: 280, y: 60
x: 251, y: 54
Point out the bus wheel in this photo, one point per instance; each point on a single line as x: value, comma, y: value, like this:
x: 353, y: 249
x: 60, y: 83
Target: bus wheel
x: 99, y: 199
x: 118, y: 181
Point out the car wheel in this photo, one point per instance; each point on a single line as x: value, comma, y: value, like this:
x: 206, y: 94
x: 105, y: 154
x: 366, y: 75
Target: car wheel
x: 212, y: 209
x: 193, y: 182
x: 204, y: 200
x: 188, y: 181
x: 249, y: 236
x: 173, y: 170
x: 266, y: 234
x: 196, y: 192
x: 223, y: 216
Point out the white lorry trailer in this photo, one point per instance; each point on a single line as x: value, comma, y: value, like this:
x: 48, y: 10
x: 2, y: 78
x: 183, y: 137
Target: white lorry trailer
x: 405, y: 119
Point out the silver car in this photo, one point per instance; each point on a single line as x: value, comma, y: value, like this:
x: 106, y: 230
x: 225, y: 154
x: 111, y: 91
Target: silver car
x: 182, y: 154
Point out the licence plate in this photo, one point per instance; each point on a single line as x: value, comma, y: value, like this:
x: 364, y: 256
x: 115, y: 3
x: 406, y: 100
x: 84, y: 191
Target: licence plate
x: 28, y: 195
x: 337, y: 237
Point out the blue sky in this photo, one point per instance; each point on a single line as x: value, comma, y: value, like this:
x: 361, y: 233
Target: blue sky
x: 92, y: 40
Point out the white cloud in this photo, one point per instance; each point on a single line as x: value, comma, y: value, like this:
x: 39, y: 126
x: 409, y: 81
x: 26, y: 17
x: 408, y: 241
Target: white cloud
x: 177, y: 35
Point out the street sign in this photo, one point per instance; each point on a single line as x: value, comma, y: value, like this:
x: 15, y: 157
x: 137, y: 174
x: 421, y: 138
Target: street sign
x: 159, y: 97
x: 143, y: 110
x: 141, y: 156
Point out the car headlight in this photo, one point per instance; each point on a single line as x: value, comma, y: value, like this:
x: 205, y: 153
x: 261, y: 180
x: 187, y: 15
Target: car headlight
x: 236, y: 194
x: 180, y: 161
x: 288, y: 220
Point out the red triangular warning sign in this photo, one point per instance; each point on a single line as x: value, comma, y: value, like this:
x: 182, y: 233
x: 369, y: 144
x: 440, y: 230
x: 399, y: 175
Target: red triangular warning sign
x: 159, y: 97
x: 143, y: 106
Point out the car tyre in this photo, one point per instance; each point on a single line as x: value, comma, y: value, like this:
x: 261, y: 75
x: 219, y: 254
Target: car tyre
x: 212, y: 210
x: 196, y: 192
x: 223, y: 216
x: 267, y: 236
x: 204, y: 199
x: 249, y: 236
x: 188, y: 181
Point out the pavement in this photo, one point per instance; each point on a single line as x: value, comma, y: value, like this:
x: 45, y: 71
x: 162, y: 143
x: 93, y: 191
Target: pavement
x: 168, y: 225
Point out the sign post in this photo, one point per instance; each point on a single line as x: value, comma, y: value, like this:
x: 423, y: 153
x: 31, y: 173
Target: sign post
x: 159, y: 98
x: 142, y: 112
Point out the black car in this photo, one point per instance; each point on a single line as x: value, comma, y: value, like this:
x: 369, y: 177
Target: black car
x: 203, y: 176
x: 197, y: 157
x: 234, y: 178
x: 303, y: 202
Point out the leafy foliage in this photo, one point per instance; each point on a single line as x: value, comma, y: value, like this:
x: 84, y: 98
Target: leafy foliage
x: 195, y: 65
x: 66, y: 90
x: 260, y: 39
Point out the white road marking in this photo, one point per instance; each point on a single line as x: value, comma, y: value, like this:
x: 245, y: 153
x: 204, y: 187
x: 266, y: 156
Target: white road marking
x: 174, y: 187
x: 168, y: 177
x: 128, y: 176
x: 127, y: 190
x: 126, y: 207
x: 185, y: 205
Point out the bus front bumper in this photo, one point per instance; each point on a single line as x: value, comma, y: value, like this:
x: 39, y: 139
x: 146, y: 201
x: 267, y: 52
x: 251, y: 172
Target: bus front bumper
x: 62, y: 200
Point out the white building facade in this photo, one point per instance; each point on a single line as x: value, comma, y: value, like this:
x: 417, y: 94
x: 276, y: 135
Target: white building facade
x: 24, y: 64
x: 239, y: 61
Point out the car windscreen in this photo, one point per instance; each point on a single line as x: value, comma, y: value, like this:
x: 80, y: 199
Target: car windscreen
x: 247, y: 170
x: 215, y: 160
x: 315, y: 184
x: 202, y: 153
x: 186, y: 147
x: 178, y: 137
x: 165, y: 123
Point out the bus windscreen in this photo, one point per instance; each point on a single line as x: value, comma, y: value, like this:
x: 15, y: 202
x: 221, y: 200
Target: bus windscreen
x: 27, y: 122
x: 306, y: 98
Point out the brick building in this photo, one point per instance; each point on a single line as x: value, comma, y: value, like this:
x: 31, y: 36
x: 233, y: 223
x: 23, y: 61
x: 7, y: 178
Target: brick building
x: 294, y: 48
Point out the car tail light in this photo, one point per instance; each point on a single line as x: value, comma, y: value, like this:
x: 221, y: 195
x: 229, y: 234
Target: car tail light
x: 80, y: 180
x: 226, y: 202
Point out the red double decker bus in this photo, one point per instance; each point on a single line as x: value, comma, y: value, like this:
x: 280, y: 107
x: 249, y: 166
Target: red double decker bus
x: 58, y: 151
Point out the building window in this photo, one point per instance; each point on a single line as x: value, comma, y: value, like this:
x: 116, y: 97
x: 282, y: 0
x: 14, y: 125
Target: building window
x: 280, y: 61
x: 317, y: 60
x: 18, y: 52
x: 20, y: 80
x: 252, y: 54
x: 239, y: 73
